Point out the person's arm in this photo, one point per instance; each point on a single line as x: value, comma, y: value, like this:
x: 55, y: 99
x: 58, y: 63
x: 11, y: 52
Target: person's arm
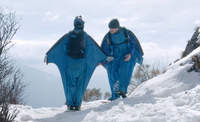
x: 105, y: 46
x: 132, y: 42
x: 132, y: 46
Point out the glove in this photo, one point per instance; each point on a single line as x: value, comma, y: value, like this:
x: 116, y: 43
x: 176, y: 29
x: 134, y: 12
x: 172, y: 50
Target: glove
x: 45, y: 59
x: 109, y: 58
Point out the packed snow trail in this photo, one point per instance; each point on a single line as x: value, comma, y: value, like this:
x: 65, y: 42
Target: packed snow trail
x: 28, y: 114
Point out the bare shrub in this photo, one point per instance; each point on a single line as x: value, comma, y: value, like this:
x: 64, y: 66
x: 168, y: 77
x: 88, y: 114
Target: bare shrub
x: 196, y: 66
x: 92, y: 95
x: 107, y: 95
x: 144, y: 73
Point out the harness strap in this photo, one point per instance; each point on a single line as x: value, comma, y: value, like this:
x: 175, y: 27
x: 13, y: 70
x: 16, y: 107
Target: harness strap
x: 127, y: 39
x: 86, y: 41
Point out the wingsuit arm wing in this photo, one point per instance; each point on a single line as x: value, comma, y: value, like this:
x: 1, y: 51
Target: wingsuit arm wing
x: 55, y: 52
x: 94, y: 55
x: 99, y: 54
x: 138, y: 52
x: 136, y: 41
x: 132, y: 43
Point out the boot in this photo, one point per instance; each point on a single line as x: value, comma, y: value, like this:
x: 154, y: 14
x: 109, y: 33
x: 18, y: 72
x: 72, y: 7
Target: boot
x: 121, y: 93
x: 70, y: 107
x: 78, y: 108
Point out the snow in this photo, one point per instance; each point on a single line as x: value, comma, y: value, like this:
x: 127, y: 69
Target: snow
x: 170, y: 97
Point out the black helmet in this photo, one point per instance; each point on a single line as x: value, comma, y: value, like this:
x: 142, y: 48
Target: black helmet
x: 78, y: 21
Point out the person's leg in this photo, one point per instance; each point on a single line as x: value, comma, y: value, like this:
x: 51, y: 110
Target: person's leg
x: 72, y: 89
x: 80, y: 89
x: 113, y: 75
x: 80, y: 83
x: 75, y: 67
x: 125, y: 71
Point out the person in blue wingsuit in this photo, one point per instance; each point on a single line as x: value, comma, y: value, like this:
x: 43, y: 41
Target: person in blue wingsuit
x: 76, y: 55
x: 123, y: 50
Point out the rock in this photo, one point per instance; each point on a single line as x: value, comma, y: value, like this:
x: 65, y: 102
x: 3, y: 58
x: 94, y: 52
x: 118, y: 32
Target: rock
x: 193, y: 43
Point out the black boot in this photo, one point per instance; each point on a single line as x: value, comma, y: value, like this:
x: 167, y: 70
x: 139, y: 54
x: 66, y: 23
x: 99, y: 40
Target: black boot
x: 78, y: 108
x: 70, y: 107
x: 121, y: 93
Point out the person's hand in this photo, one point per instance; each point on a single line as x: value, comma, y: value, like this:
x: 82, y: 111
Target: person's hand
x: 99, y: 64
x: 110, y: 58
x: 128, y: 57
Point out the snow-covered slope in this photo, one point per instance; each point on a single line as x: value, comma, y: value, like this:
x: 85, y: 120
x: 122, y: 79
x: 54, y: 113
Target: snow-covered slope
x: 171, y: 97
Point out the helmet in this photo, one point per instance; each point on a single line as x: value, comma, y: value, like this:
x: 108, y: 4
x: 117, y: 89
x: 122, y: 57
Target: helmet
x: 78, y: 21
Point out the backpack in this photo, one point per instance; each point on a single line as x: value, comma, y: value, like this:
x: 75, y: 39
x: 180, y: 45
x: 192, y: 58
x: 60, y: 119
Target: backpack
x: 138, y: 52
x: 76, y: 48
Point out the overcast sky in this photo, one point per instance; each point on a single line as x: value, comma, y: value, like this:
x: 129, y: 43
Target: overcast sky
x: 163, y: 27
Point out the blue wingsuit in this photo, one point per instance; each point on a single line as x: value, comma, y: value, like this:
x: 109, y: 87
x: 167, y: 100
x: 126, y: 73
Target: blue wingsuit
x: 75, y: 72
x: 120, y: 71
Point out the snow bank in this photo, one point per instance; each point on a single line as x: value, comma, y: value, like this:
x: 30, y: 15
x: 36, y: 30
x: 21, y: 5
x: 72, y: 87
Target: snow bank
x: 180, y: 107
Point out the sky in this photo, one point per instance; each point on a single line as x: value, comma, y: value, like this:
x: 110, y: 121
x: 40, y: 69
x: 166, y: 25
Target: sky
x: 162, y: 27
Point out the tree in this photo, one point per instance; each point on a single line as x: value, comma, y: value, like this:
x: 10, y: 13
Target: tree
x: 11, y: 85
x: 8, y: 28
x: 92, y: 95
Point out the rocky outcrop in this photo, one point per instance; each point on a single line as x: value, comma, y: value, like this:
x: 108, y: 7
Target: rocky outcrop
x: 193, y: 43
